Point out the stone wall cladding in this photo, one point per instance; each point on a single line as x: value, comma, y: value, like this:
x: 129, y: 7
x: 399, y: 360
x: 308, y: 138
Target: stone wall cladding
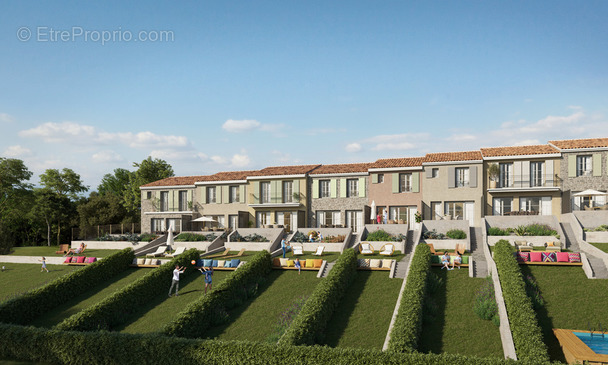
x: 341, y: 204
x: 581, y: 183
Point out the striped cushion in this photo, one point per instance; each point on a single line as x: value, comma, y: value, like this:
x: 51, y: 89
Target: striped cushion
x: 549, y: 257
x: 574, y: 256
x: 523, y: 256
x: 363, y: 262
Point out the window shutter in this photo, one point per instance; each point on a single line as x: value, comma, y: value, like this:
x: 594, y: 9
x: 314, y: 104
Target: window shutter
x: 279, y: 191
x: 525, y: 170
x: 189, y: 199
x: 315, y: 188
x: 515, y: 175
x: 571, y: 165
x: 242, y: 194
x: 170, y: 201
x: 203, y: 195
x: 395, y: 182
x: 255, y: 194
x: 451, y: 177
x: 473, y: 176
x: 362, y: 187
x: 225, y: 194
x: 333, y: 185
x: 374, y: 178
x: 342, y: 188
x: 548, y: 167
x: 429, y: 172
x: 415, y: 182
x: 597, y: 164
x: 296, y: 187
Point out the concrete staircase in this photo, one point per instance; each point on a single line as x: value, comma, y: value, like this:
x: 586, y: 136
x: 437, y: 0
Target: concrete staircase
x: 480, y: 267
x: 597, y: 264
x: 402, y: 265
x: 327, y: 269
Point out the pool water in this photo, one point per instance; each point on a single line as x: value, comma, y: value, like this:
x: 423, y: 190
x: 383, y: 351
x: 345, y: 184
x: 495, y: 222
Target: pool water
x: 597, y: 342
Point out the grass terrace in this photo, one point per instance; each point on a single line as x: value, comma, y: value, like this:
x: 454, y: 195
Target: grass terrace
x: 17, y: 279
x: 601, y: 245
x: 365, y: 312
x: 256, y: 319
x: 449, y: 323
x: 91, y: 297
x: 571, y: 301
x: 47, y: 251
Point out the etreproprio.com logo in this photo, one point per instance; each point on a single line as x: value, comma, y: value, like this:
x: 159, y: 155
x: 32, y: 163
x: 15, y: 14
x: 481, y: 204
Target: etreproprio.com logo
x: 80, y: 34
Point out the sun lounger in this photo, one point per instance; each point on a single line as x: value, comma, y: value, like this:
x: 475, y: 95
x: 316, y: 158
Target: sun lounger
x: 63, y: 249
x: 319, y: 251
x: 219, y: 255
x: 297, y: 250
x: 523, y: 246
x: 160, y: 250
x: 387, y: 250
x: 178, y: 251
x: 241, y: 252
x: 432, y: 248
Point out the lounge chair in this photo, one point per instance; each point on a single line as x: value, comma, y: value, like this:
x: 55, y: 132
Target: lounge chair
x: 297, y: 250
x: 160, y: 250
x: 387, y: 249
x: 523, y: 246
x: 459, y: 249
x: 241, y: 252
x: 432, y: 248
x: 319, y: 251
x: 366, y: 248
x: 63, y: 249
x: 178, y: 251
x: 553, y: 246
x: 219, y: 255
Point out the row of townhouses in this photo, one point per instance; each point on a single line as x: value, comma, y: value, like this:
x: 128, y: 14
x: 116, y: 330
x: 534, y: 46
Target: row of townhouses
x: 549, y: 179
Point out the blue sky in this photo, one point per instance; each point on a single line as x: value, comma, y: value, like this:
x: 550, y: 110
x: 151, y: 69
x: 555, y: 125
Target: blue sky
x: 245, y: 85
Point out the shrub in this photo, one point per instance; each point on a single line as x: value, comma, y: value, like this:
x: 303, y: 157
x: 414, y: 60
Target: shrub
x: 379, y: 235
x: 309, y: 326
x: 527, y: 334
x: 299, y: 237
x: 119, y: 307
x: 520, y: 230
x: 485, y: 302
x: 433, y: 235
x: 408, y: 322
x: 131, y: 237
x: 23, y: 309
x: 540, y: 230
x: 495, y: 231
x: 236, y: 237
x: 193, y: 321
x: 334, y: 239
x: 456, y: 234
x: 194, y: 237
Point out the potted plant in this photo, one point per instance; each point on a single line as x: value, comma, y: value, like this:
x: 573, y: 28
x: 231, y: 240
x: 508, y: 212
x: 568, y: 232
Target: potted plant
x: 493, y: 174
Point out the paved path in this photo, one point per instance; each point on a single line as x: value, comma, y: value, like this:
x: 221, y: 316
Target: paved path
x: 481, y: 266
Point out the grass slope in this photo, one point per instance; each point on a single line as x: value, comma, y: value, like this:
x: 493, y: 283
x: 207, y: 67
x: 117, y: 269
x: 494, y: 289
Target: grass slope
x: 365, y: 312
x: 17, y: 279
x: 50, y: 251
x: 91, y: 297
x: 571, y: 302
x: 454, y: 327
x: 255, y: 319
x: 601, y: 245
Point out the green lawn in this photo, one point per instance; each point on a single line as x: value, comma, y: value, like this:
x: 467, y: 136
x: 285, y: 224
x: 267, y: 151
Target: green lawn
x: 159, y: 312
x: 601, y: 245
x: 365, y: 312
x: 94, y: 295
x: 255, y: 319
x: 454, y: 327
x: 50, y: 251
x: 17, y: 279
x: 571, y: 301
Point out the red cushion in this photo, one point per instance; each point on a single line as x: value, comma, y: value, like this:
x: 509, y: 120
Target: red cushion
x: 91, y: 260
x: 67, y: 260
x: 536, y: 256
x: 80, y: 259
x: 562, y: 257
x: 523, y: 256
x: 574, y: 256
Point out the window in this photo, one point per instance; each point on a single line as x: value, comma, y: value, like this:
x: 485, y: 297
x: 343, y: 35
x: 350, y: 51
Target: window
x: 149, y: 195
x: 157, y: 225
x: 536, y: 174
x: 455, y: 210
x: 234, y: 194
x: 324, y: 188
x: 505, y: 180
x: 436, y: 212
x: 164, y: 201
x: 434, y: 172
x: 262, y: 219
x: 405, y: 183
x: 265, y: 192
x: 583, y: 165
x: 211, y: 197
x: 328, y: 218
x: 398, y: 214
x: 183, y: 200
x: 352, y: 187
x: 502, y: 206
x: 462, y: 176
x: 532, y: 204
x: 380, y: 178
x: 287, y: 191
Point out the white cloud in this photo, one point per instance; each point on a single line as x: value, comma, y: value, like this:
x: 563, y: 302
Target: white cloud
x: 353, y: 147
x: 239, y: 126
x: 240, y: 160
x: 61, y: 132
x: 170, y: 155
x: 527, y: 142
x: 461, y: 137
x: 218, y: 160
x: 17, y: 151
x: 107, y: 156
x: 6, y: 118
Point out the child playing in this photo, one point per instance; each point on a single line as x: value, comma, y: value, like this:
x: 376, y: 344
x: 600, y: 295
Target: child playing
x: 208, y: 272
x: 43, y: 264
x: 297, y: 264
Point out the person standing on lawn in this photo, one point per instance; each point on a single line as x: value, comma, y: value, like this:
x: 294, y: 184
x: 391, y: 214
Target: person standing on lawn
x: 208, y: 272
x: 43, y: 264
x: 175, y: 283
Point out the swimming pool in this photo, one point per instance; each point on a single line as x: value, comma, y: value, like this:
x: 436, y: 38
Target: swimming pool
x: 595, y: 341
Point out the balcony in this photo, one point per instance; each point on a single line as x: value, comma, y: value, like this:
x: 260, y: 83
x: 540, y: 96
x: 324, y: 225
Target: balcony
x: 525, y: 183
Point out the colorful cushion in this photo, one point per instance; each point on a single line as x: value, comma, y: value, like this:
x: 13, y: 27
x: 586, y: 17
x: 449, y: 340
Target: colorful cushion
x: 235, y: 262
x: 199, y: 262
x: 574, y: 256
x: 375, y: 263
x: 465, y: 259
x: 318, y: 263
x: 91, y: 260
x: 227, y: 263
x: 291, y: 263
x: 550, y: 243
x: 523, y: 256
x: 536, y: 256
x: 221, y: 263
x: 74, y: 259
x: 282, y: 261
x: 549, y: 256
x: 387, y: 263
x: 207, y: 263
x: 562, y: 256
x: 363, y: 262
x: 435, y: 259
x: 310, y: 263
x: 214, y: 263
x: 276, y: 262
x: 67, y: 260
x: 80, y: 259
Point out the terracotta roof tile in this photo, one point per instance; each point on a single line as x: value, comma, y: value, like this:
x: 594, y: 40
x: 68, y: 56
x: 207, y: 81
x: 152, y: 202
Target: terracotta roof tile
x: 569, y: 144
x: 543, y: 149
x: 342, y: 168
x: 177, y: 181
x: 231, y: 175
x: 398, y: 162
x: 285, y: 170
x: 453, y: 156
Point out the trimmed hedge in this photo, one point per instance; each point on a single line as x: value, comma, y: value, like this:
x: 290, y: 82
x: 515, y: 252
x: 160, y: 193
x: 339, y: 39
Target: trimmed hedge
x: 27, y: 307
x: 63, y: 347
x: 408, y: 323
x: 209, y: 308
x: 308, y: 327
x: 527, y: 334
x: 120, y: 306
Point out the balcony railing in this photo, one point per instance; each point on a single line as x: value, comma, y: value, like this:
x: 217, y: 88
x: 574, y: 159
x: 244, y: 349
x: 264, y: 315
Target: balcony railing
x: 526, y: 181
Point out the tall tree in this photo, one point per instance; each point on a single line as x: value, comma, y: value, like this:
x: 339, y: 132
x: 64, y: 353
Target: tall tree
x: 115, y: 183
x: 65, y: 183
x: 148, y: 170
x: 100, y: 210
x: 14, y: 189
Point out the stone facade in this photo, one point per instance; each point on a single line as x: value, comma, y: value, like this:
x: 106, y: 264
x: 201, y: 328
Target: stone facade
x: 573, y: 184
x: 339, y: 203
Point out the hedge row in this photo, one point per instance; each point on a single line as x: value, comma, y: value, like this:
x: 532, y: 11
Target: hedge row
x: 209, y: 308
x: 120, y: 306
x: 408, y: 323
x: 65, y: 347
x: 527, y: 334
x: 309, y: 325
x: 25, y: 308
